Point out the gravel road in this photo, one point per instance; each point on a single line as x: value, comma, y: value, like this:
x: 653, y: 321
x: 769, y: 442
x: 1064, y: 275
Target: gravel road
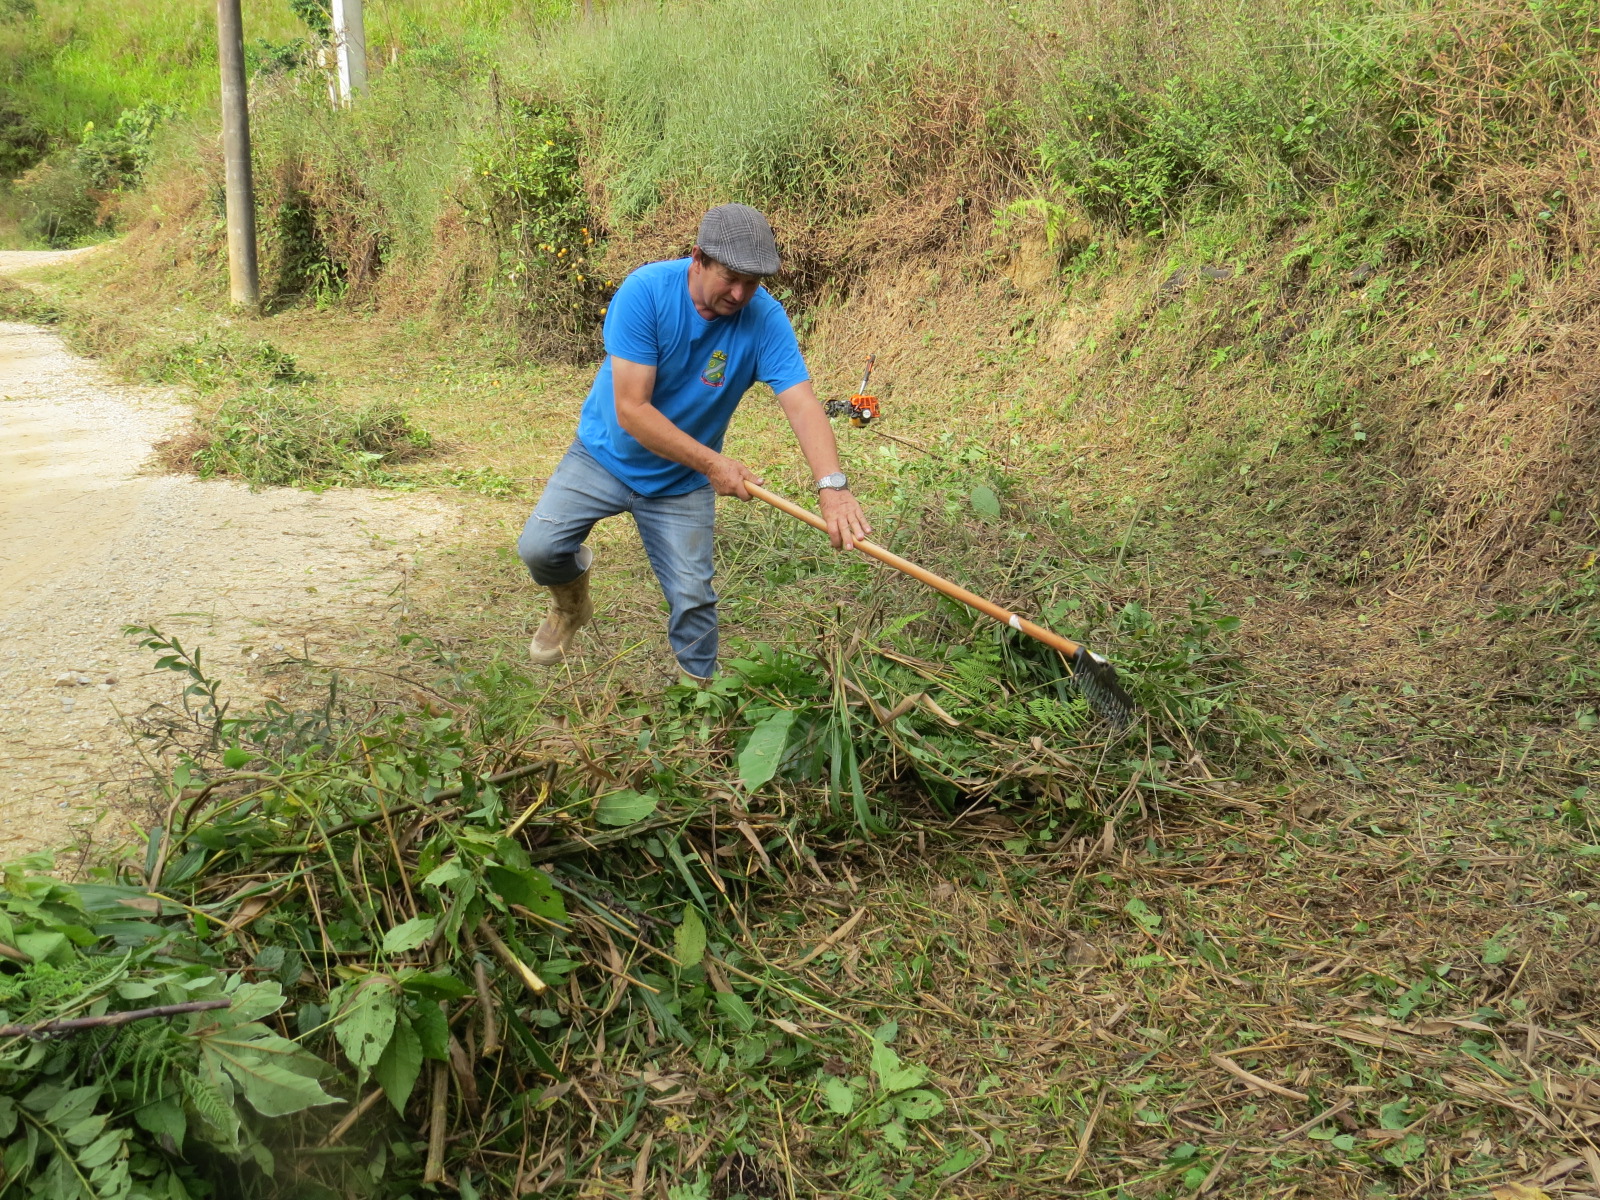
x: 93, y: 540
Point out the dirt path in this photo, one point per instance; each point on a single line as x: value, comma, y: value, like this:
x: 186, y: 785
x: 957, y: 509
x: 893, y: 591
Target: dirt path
x: 91, y: 541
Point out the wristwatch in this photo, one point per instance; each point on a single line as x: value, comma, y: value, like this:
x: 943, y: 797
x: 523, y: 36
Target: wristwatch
x: 834, y: 482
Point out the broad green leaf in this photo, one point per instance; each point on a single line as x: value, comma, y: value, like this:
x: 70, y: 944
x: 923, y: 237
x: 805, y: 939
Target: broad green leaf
x: 42, y: 946
x: 163, y: 1116
x: 836, y: 1093
x: 959, y: 1161
x: 8, y: 1116
x: 450, y: 872
x: 408, y: 935
x: 235, y: 757
x: 1495, y: 953
x: 1395, y: 1115
x: 1408, y: 1149
x: 531, y: 888
x: 689, y: 938
x: 103, y: 1150
x: 895, y: 1134
x: 364, y: 1019
x: 273, y: 1089
x: 918, y: 1105
x: 251, y: 1002
x: 984, y: 502
x: 81, y: 1133
x: 735, y: 1009
x: 400, y: 1065
x: 758, y: 761
x: 70, y: 1106
x: 624, y: 808
x: 1141, y: 912
x: 892, y: 1075
x: 432, y: 1032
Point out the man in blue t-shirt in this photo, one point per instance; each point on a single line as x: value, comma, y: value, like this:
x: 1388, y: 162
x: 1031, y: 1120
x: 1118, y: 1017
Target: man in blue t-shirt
x: 684, y: 341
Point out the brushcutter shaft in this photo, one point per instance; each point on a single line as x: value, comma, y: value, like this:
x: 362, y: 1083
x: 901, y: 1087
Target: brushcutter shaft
x: 937, y: 582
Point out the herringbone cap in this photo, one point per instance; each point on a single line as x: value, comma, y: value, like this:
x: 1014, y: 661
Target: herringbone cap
x: 739, y: 238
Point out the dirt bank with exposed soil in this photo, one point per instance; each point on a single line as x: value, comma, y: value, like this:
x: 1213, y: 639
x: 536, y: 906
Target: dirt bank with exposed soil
x: 92, y: 540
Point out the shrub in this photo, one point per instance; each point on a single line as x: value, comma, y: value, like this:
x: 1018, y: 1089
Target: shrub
x: 71, y: 193
x: 62, y: 209
x: 22, y: 141
x: 530, y: 195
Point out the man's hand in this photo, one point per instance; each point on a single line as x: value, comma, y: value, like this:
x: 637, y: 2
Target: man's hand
x: 846, y: 522
x: 727, y: 476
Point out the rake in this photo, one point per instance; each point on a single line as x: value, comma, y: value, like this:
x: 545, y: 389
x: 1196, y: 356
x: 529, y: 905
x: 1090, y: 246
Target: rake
x: 1094, y: 677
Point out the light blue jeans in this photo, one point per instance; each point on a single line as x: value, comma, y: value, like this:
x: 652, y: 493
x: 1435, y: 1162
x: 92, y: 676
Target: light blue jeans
x: 675, y: 530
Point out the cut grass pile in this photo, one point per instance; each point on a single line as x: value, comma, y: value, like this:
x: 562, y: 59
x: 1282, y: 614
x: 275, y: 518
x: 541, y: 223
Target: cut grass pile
x: 289, y: 438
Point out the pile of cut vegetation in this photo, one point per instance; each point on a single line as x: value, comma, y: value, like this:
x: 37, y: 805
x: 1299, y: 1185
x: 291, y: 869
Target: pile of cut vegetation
x: 505, y: 947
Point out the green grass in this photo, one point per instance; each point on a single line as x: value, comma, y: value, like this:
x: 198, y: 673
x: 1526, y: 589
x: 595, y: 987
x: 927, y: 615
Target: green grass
x: 71, y: 63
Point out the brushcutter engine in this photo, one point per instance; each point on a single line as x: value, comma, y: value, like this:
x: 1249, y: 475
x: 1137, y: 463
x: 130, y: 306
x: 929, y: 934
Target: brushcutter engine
x: 861, y: 408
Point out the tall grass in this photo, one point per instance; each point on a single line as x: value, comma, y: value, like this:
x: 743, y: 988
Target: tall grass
x: 767, y: 103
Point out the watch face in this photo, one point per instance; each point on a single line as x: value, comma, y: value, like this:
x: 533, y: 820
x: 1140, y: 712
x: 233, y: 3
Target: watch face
x: 836, y: 480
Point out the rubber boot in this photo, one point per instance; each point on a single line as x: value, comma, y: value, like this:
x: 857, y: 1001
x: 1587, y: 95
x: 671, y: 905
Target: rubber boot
x: 570, y: 611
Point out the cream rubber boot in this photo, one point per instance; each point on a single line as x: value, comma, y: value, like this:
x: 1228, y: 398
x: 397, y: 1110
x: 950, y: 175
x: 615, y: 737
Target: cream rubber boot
x: 570, y: 611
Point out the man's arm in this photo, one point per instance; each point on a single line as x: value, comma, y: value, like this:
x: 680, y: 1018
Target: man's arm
x: 633, y: 384
x: 846, y: 521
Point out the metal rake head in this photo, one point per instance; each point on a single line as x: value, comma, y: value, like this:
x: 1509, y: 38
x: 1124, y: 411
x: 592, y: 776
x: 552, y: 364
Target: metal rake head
x: 1097, y: 680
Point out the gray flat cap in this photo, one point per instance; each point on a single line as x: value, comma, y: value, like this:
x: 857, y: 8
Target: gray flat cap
x: 739, y: 238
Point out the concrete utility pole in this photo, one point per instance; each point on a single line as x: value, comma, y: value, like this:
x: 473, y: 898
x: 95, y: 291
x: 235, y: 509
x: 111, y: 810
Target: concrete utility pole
x: 350, y: 44
x: 243, y: 283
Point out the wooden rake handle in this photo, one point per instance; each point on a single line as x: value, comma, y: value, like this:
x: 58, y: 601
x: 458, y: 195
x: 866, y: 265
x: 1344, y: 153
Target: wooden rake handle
x: 937, y: 582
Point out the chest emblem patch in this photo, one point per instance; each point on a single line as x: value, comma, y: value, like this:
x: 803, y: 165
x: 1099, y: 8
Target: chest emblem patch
x: 716, y: 368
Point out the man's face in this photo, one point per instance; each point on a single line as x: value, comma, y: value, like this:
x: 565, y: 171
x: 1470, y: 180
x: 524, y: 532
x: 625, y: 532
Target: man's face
x: 722, y: 291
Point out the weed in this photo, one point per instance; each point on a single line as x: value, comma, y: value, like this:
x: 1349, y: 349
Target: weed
x: 484, y: 481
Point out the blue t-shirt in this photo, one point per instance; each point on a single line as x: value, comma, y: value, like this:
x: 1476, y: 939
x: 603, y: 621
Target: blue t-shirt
x: 703, y: 368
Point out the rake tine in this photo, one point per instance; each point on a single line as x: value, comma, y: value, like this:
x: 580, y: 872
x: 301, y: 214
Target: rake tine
x: 1097, y: 680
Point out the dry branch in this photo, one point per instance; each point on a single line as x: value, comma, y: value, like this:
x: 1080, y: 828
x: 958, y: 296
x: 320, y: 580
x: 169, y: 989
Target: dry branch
x: 109, y: 1020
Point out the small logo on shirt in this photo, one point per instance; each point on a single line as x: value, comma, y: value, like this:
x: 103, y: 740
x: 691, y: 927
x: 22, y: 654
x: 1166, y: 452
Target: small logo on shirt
x: 716, y: 367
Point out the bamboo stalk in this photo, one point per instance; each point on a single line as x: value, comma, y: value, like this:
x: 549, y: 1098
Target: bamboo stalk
x: 518, y: 968
x: 438, y: 1118
x: 348, y: 1121
x: 491, y: 1027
